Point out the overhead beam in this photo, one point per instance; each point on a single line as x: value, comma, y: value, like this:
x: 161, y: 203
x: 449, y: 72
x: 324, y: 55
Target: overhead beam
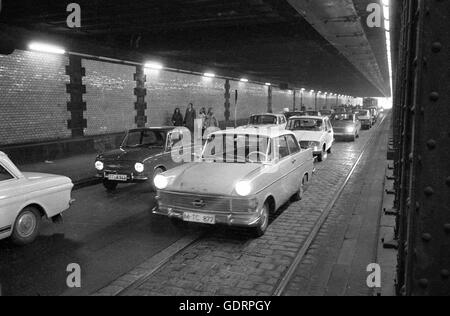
x: 339, y: 23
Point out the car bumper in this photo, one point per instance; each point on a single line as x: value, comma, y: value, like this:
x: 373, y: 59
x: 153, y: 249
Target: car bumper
x: 344, y: 135
x: 230, y: 219
x: 131, y: 177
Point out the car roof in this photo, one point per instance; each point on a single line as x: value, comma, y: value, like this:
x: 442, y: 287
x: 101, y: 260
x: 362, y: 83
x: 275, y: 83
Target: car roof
x: 265, y: 132
x: 308, y: 117
x: 269, y: 114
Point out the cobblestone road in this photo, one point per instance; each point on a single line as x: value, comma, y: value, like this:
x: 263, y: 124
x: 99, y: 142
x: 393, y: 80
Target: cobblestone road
x: 229, y: 262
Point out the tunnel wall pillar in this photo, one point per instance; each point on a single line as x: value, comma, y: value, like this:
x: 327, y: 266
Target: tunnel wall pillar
x: 76, y: 106
x: 140, y: 92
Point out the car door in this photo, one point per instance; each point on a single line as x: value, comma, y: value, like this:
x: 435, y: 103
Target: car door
x: 296, y: 175
x: 7, y: 203
x: 285, y: 166
x: 330, y: 134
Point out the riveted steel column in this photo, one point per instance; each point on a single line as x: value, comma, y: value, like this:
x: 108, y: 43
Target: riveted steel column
x: 428, y: 257
x: 140, y: 92
x: 403, y: 105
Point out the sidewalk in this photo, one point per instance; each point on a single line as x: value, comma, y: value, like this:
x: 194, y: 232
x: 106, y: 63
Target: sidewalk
x: 79, y: 168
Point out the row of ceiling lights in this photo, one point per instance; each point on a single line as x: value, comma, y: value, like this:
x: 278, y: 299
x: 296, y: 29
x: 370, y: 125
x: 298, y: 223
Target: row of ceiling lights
x: 46, y: 48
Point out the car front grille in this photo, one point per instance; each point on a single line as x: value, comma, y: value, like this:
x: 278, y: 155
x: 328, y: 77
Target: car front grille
x: 205, y: 203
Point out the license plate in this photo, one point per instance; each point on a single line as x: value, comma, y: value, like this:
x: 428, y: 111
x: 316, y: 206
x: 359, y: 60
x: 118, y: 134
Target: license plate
x: 199, y: 218
x: 117, y: 177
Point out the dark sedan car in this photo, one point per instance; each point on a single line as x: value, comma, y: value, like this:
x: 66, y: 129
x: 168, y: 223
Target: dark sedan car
x: 144, y: 153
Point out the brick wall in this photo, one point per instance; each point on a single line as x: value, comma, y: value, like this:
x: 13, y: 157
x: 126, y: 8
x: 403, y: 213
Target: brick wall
x: 109, y: 97
x: 33, y: 98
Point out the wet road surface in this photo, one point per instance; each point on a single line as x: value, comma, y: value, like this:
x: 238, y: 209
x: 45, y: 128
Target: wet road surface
x: 106, y: 234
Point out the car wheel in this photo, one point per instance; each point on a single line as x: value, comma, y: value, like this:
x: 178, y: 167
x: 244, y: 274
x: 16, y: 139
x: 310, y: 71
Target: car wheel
x: 155, y: 173
x: 322, y: 156
x: 260, y: 230
x: 299, y: 195
x: 110, y: 185
x: 26, y: 227
x: 329, y: 151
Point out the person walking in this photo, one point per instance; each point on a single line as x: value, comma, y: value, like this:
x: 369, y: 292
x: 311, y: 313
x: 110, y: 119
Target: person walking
x: 177, y: 118
x: 189, y: 118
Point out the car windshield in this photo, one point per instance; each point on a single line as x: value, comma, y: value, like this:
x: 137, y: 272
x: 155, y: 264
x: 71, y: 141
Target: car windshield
x: 305, y: 124
x: 236, y: 148
x: 327, y: 112
x: 263, y: 120
x: 313, y: 113
x: 362, y: 113
x: 342, y: 117
x: 144, y: 138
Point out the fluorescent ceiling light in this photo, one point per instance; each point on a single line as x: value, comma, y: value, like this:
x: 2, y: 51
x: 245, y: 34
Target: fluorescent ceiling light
x: 46, y: 48
x: 209, y: 74
x: 244, y: 80
x: 268, y: 84
x: 154, y: 65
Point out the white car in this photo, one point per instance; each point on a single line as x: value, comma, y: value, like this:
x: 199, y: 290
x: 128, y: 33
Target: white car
x: 267, y: 120
x: 243, y: 177
x: 313, y: 132
x: 25, y: 198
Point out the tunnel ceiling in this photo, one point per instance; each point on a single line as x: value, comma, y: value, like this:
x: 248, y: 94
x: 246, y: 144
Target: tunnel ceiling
x: 264, y: 40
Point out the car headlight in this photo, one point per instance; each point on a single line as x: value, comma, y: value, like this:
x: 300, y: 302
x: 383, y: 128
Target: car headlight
x: 350, y: 129
x: 243, y: 188
x: 139, y: 167
x: 161, y: 182
x: 99, y: 165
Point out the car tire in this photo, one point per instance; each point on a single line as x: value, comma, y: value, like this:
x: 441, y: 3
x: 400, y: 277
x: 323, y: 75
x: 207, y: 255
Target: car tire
x: 322, y: 156
x: 329, y: 151
x: 26, y: 227
x: 260, y: 230
x: 110, y: 186
x: 299, y: 195
x: 155, y: 173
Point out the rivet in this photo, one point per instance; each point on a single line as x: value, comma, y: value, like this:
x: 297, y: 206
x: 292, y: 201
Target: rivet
x: 423, y: 283
x: 434, y: 96
x: 436, y: 47
x: 445, y: 274
x: 431, y: 144
x: 427, y: 237
x: 429, y: 191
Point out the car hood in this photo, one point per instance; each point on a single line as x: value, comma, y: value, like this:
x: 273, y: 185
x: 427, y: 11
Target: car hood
x: 209, y: 178
x: 308, y: 136
x: 46, y: 180
x: 131, y: 154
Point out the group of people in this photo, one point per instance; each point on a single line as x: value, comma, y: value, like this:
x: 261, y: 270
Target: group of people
x: 207, y: 118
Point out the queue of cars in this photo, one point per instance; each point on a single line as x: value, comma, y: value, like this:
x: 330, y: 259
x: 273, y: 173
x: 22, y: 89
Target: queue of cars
x: 236, y: 177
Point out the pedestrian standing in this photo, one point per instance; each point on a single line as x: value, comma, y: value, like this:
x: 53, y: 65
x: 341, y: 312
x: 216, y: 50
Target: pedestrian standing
x: 177, y: 118
x: 211, y: 120
x: 202, y: 116
x: 189, y: 118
